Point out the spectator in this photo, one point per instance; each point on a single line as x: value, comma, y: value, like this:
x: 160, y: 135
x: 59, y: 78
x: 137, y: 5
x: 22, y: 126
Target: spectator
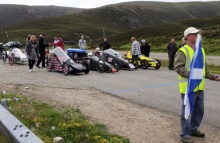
x: 145, y: 48
x: 171, y: 50
x: 42, y: 46
x: 28, y: 38
x: 82, y: 43
x: 105, y: 44
x: 183, y: 43
x: 135, y: 51
x: 32, y: 52
x: 56, y: 40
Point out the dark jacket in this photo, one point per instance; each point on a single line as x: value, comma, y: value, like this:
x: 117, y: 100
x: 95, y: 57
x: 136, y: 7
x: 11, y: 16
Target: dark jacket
x: 105, y: 45
x: 145, y: 49
x: 42, y: 45
x: 29, y: 47
x: 171, y: 49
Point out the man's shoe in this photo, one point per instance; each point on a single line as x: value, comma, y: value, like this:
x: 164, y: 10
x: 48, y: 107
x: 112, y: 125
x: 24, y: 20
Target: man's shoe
x: 38, y: 66
x: 186, y: 140
x: 198, y: 134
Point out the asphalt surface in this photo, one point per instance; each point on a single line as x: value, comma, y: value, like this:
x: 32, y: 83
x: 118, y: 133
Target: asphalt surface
x: 157, y: 89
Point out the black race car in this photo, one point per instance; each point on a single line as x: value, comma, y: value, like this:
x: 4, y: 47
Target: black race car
x: 113, y: 57
x: 100, y: 65
x: 80, y: 56
x: 60, y: 61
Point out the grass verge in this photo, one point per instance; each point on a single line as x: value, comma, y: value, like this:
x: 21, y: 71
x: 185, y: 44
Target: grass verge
x: 47, y: 123
x: 212, y: 67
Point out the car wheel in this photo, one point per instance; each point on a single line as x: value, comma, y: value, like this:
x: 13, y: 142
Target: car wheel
x: 11, y: 60
x: 65, y: 69
x: 86, y: 71
x: 144, y: 65
x: 116, y: 64
x: 49, y: 66
x: 100, y: 66
x: 158, y: 64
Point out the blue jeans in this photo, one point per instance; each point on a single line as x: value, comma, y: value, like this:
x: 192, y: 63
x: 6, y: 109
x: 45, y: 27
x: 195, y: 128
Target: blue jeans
x: 195, y: 119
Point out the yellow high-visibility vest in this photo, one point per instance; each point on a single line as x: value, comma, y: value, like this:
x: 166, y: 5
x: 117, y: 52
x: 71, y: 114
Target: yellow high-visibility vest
x: 183, y: 82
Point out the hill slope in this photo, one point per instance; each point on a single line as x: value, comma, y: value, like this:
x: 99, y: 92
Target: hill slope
x: 12, y: 14
x: 130, y: 19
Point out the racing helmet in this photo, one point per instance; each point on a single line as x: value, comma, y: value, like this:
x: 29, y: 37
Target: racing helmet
x: 97, y: 49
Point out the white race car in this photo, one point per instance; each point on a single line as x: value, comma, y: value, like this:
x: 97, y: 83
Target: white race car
x: 15, y: 55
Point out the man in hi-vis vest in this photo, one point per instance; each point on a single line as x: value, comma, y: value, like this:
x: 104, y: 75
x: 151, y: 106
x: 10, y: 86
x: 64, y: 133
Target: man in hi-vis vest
x: 183, y: 59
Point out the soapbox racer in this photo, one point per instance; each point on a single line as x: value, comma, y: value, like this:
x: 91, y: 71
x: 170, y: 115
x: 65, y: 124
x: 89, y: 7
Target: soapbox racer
x: 144, y: 61
x: 60, y: 61
x: 16, y: 56
x: 113, y: 57
x: 94, y: 62
x: 100, y: 65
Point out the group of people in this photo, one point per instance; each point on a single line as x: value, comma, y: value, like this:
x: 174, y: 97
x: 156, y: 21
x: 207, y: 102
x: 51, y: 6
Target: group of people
x: 137, y: 49
x: 36, y: 49
x: 183, y: 56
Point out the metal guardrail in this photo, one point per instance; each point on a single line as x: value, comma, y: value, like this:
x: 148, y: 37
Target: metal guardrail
x: 14, y: 130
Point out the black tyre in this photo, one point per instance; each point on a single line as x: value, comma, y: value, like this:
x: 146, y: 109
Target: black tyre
x: 116, y: 64
x: 4, y: 59
x: 100, y: 66
x: 144, y: 65
x: 11, y: 60
x: 65, y: 69
x: 49, y: 66
x: 158, y: 64
x: 86, y: 71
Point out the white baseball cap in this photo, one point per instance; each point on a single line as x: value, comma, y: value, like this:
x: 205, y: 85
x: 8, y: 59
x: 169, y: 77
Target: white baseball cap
x: 190, y: 30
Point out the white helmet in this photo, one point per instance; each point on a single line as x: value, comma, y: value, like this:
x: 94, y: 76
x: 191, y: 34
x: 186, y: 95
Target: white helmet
x: 97, y: 49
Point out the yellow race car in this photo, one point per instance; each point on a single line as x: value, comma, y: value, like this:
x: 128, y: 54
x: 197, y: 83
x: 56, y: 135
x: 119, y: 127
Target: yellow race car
x: 144, y: 61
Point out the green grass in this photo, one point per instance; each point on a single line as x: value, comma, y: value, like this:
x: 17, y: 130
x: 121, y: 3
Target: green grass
x: 212, y: 67
x: 69, y: 123
x: 3, y: 138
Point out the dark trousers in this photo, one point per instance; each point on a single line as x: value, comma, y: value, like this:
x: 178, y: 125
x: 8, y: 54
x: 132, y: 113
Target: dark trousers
x: 171, y: 60
x: 41, y: 59
x: 135, y: 60
x: 31, y: 63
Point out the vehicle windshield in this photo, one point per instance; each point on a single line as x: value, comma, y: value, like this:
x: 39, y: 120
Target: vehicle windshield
x: 62, y: 56
x: 112, y: 52
x: 16, y: 50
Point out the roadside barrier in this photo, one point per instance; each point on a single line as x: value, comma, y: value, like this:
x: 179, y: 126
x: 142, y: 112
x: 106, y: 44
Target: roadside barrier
x: 14, y: 130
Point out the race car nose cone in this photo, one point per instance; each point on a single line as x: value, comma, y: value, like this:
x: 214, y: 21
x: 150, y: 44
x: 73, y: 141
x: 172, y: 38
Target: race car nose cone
x: 113, y: 70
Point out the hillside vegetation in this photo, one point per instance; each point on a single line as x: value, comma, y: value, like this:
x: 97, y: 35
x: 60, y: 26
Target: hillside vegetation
x: 13, y: 14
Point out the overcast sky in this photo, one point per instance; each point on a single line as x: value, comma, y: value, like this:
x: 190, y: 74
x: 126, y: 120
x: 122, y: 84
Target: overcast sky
x: 80, y: 3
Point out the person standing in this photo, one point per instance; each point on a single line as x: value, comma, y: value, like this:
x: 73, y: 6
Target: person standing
x: 105, y: 44
x: 82, y: 43
x: 145, y: 48
x: 32, y: 52
x: 28, y: 38
x: 183, y: 59
x: 171, y: 50
x: 135, y: 51
x: 42, y: 46
x: 56, y: 40
x: 182, y: 44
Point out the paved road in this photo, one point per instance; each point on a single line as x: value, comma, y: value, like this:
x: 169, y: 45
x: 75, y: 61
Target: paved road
x: 157, y: 89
